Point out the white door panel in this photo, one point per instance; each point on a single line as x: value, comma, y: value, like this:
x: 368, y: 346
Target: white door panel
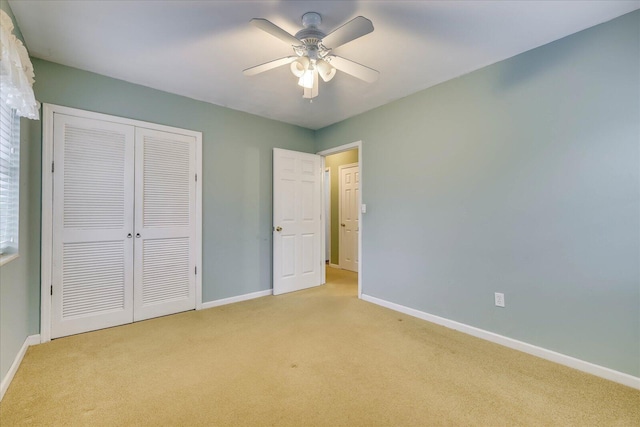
x: 124, y: 224
x: 327, y: 214
x: 349, y: 213
x: 297, y: 202
x: 164, y: 262
x: 356, y: 213
x: 92, y: 274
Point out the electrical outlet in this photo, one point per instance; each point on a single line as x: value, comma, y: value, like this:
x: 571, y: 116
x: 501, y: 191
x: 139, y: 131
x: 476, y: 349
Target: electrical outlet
x: 499, y: 299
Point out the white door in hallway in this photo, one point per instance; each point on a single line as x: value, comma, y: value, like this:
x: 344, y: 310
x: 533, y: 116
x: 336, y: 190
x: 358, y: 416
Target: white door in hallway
x: 297, y: 221
x: 349, y: 225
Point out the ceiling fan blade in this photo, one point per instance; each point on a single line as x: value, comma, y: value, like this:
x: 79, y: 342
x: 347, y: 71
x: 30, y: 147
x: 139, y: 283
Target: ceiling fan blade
x: 268, y: 65
x: 275, y: 31
x: 350, y: 31
x: 360, y: 71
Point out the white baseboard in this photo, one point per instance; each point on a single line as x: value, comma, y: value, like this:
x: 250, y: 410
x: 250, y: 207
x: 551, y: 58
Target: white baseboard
x: 572, y: 362
x: 245, y: 297
x: 6, y: 381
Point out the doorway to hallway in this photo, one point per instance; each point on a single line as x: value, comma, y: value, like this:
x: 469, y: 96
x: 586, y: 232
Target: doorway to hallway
x: 342, y: 215
x: 348, y: 154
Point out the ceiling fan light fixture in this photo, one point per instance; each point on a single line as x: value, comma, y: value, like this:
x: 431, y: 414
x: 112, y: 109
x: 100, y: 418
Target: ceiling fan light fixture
x: 307, y: 79
x: 325, y: 70
x: 312, y: 92
x: 313, y: 60
x: 299, y: 66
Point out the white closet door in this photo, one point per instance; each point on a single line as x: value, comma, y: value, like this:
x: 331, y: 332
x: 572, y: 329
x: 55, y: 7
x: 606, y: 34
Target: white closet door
x: 165, y: 223
x: 92, y: 286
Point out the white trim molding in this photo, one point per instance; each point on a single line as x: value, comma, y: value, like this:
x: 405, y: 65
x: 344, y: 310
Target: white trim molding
x: 6, y: 381
x: 239, y: 298
x: 562, y: 359
x: 46, y: 221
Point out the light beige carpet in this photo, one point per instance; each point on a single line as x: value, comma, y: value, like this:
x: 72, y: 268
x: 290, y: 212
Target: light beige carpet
x: 315, y: 357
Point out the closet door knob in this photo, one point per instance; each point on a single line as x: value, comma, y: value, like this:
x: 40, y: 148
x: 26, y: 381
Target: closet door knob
x: 138, y: 235
x: 129, y: 235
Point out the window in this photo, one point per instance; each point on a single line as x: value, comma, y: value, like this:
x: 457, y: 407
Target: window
x: 9, y: 180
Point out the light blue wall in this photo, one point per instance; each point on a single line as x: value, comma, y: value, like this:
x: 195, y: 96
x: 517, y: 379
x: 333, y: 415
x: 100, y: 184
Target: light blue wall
x: 521, y: 178
x: 17, y: 301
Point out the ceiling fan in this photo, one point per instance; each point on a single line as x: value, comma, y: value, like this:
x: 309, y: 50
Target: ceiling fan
x: 313, y: 51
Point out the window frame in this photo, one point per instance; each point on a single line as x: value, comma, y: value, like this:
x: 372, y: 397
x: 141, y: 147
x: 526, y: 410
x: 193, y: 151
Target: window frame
x: 9, y: 183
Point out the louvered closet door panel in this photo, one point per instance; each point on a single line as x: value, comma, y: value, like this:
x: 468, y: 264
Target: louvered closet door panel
x: 165, y: 220
x: 92, y: 216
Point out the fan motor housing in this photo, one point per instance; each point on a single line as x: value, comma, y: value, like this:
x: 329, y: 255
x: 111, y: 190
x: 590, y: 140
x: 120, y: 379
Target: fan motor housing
x: 311, y: 19
x: 310, y: 34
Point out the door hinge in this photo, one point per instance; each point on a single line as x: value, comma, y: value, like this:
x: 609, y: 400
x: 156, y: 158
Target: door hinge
x: 196, y: 177
x: 52, y: 167
x: 196, y: 270
x: 51, y: 290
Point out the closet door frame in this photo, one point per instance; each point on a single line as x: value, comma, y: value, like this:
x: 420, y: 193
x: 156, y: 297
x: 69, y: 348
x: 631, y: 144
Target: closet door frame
x: 46, y: 264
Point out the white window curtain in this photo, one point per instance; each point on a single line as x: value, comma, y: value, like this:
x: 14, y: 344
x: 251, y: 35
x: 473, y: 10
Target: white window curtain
x: 16, y: 72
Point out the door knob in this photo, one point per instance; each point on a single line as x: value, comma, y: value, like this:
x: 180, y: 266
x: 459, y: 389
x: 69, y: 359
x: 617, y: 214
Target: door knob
x: 278, y: 228
x: 129, y: 235
x: 342, y: 225
x: 138, y: 235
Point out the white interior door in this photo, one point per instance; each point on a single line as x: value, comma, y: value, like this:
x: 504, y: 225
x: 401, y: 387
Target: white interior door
x: 327, y: 215
x: 297, y: 221
x: 92, y: 274
x: 165, y: 223
x: 349, y: 226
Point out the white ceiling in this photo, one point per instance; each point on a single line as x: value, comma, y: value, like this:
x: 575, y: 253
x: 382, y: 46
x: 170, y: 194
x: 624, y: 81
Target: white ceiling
x: 199, y: 48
